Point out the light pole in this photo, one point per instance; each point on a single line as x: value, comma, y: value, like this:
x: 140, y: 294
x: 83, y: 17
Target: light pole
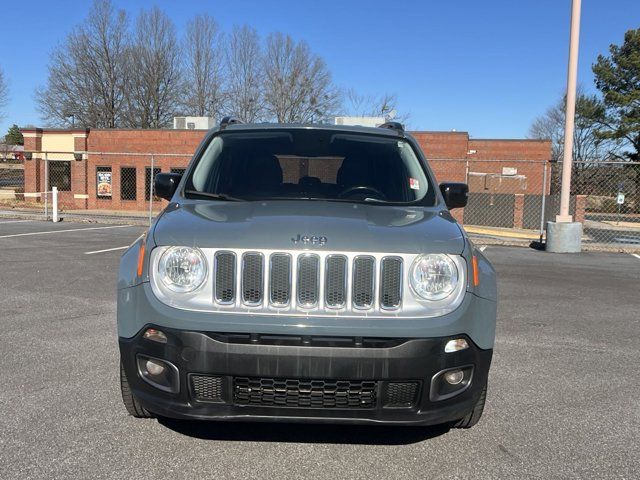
x: 569, y: 123
x: 564, y: 235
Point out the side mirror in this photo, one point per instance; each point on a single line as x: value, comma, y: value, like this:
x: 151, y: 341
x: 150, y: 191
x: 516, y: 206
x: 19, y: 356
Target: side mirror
x: 455, y: 194
x: 165, y: 184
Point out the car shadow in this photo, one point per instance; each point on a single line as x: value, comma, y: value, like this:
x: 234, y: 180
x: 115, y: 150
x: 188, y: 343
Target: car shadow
x: 303, y: 433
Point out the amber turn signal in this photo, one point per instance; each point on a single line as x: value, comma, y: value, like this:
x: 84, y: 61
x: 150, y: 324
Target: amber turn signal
x: 141, y: 258
x: 476, y: 271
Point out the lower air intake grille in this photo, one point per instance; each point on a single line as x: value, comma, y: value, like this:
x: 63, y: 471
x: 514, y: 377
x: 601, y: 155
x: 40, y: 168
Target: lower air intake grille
x: 206, y: 388
x: 401, y: 394
x: 281, y: 392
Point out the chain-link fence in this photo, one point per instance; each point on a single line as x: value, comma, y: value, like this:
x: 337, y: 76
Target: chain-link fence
x: 11, y: 180
x: 504, y: 195
x: 508, y: 198
x: 612, y: 200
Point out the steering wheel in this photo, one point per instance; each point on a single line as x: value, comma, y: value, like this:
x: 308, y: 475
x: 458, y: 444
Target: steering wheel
x: 360, y: 189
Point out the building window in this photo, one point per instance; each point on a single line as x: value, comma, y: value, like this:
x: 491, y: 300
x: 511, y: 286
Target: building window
x: 128, y: 183
x: 179, y: 171
x: 60, y: 175
x: 104, y: 182
x: 148, y: 180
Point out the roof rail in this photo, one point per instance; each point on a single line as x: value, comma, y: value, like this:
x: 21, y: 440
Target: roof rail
x: 226, y: 121
x: 397, y: 126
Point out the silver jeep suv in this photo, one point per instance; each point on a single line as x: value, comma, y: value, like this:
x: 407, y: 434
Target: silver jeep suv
x: 307, y: 273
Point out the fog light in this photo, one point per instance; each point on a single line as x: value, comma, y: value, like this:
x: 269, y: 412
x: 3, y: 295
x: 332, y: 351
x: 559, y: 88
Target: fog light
x: 456, y: 345
x: 154, y: 368
x: 155, y: 335
x: 454, y: 377
x: 160, y: 373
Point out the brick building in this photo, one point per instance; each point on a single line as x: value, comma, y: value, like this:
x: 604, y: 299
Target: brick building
x: 74, y: 160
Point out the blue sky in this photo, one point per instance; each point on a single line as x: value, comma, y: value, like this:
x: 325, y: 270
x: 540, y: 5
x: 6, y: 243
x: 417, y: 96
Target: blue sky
x: 488, y: 68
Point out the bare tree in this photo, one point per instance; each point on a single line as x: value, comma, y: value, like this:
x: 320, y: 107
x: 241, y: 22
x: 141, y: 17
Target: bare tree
x: 384, y: 105
x: 203, y: 90
x: 298, y: 86
x: 244, y: 82
x: 588, y: 147
x: 154, y: 69
x: 4, y: 94
x: 87, y: 74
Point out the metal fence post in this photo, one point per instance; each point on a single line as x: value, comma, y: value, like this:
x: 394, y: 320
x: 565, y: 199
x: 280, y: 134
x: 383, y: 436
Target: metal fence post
x: 151, y: 179
x: 544, y: 198
x: 46, y: 185
x: 54, y: 204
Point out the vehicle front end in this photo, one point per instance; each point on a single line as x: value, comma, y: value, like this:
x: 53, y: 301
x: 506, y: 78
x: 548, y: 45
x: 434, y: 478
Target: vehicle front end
x: 293, y: 308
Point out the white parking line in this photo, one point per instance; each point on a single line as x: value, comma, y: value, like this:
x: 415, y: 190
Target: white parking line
x: 15, y: 221
x: 636, y: 255
x: 106, y: 250
x: 482, y: 248
x: 62, y: 231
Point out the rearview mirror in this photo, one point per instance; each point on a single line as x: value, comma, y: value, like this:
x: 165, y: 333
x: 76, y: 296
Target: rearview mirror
x: 455, y: 194
x: 165, y: 184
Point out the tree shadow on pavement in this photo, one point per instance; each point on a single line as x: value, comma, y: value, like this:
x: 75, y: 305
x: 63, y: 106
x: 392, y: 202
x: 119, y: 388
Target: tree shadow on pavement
x: 303, y: 433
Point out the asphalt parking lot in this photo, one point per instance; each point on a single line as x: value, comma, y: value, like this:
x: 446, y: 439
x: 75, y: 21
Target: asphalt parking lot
x: 563, y: 401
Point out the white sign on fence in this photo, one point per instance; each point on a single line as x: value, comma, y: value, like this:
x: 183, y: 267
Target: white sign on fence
x: 620, y: 199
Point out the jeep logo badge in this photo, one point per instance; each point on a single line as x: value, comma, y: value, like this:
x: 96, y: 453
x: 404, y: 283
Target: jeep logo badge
x: 309, y: 240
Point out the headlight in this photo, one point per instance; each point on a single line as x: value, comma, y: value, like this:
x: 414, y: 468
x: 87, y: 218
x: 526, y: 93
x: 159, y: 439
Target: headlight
x: 433, y: 276
x: 182, y: 269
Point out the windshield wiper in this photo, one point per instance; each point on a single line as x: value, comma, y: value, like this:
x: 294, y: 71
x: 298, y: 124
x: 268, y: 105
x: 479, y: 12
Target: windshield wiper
x: 214, y: 196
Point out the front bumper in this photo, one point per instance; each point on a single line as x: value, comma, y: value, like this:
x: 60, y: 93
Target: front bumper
x: 313, y: 379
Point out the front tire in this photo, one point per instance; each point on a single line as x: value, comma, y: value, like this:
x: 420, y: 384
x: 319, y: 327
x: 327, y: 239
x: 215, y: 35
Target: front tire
x: 131, y: 403
x: 473, y: 417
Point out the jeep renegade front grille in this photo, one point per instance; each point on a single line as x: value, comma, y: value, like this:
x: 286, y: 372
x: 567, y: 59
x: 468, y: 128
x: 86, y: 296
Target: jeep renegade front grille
x: 307, y: 281
x: 391, y: 282
x: 252, y: 280
x: 363, y: 282
x: 225, y: 267
x: 297, y: 393
x: 308, y: 276
x: 335, y: 281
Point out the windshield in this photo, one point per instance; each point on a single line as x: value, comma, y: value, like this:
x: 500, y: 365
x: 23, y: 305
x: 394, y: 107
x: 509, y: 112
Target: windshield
x: 310, y: 164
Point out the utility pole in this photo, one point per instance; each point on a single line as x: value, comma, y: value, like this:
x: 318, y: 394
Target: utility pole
x: 569, y: 123
x: 564, y: 235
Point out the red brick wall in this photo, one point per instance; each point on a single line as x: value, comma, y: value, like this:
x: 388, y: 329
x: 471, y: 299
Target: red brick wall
x: 32, y: 178
x: 451, y: 153
x: 116, y: 143
x: 446, y: 152
x: 527, y: 156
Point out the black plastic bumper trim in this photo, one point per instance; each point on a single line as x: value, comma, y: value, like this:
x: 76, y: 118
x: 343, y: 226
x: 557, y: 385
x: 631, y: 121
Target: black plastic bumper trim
x: 408, y: 360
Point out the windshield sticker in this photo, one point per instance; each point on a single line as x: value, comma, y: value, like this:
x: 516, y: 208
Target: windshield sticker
x: 414, y: 184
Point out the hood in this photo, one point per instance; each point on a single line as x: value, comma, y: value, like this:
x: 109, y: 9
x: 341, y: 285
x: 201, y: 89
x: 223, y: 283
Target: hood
x: 274, y: 225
